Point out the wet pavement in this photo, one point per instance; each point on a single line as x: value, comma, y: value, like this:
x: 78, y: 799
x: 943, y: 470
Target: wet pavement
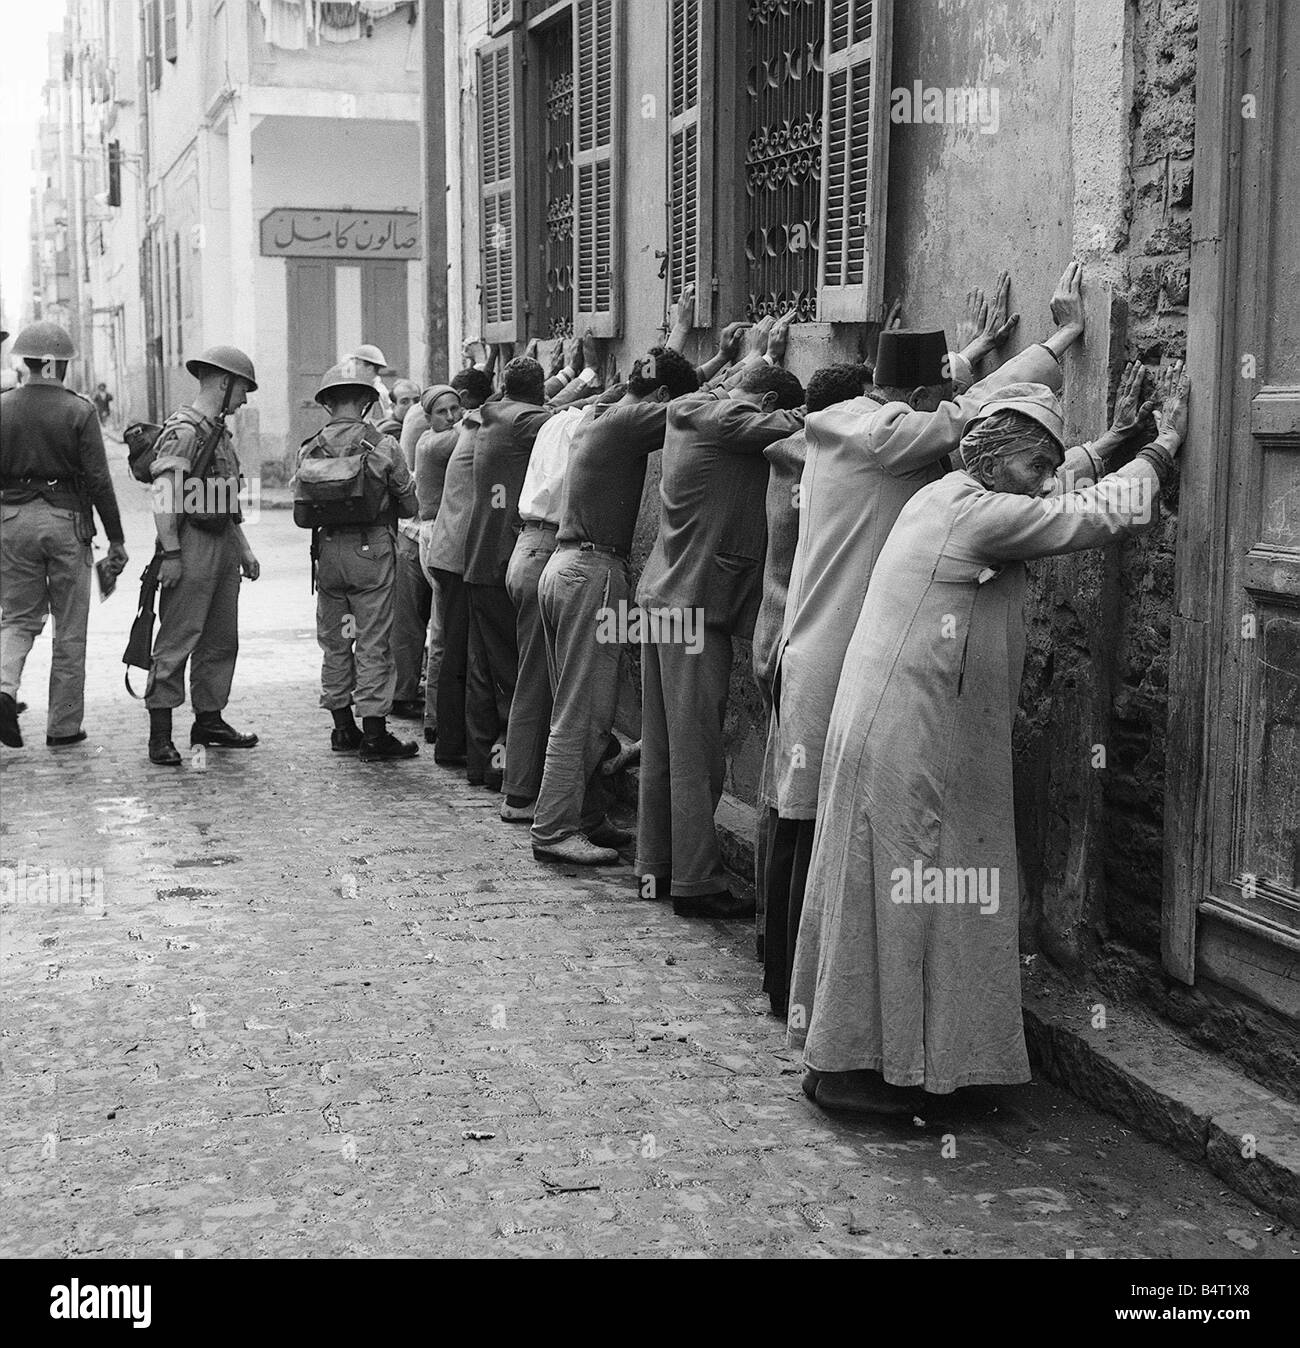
x: 327, y: 1008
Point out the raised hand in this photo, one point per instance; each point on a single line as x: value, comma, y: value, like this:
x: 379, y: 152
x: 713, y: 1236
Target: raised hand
x: 756, y: 337
x: 1067, y: 300
x: 590, y: 352
x: 685, y: 317
x: 534, y: 348
x: 778, y: 337
x: 731, y: 341
x: 557, y: 357
x: 1174, y: 390
x: 1130, y: 410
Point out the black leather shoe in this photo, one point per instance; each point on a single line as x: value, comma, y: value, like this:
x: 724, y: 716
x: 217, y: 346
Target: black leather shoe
x: 218, y: 735
x: 451, y: 761
x: 164, y: 753
x: 62, y: 741
x: 608, y: 835
x: 9, y: 732
x: 409, y: 710
x: 346, y: 739
x: 385, y: 747
x: 723, y: 904
x: 431, y: 737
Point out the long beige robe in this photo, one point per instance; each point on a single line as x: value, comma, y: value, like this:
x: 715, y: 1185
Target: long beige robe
x: 864, y: 462
x: 917, y: 774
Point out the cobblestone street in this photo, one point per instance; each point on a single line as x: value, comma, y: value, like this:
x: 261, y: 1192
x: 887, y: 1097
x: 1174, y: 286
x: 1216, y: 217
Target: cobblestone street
x: 335, y: 1009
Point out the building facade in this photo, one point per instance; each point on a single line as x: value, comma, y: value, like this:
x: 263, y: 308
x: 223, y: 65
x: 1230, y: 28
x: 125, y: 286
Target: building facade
x: 253, y: 177
x: 828, y: 154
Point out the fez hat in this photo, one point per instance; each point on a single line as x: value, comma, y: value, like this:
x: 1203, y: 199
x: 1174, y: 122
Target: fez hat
x: 1035, y: 401
x: 433, y: 393
x: 372, y: 355
x: 910, y: 358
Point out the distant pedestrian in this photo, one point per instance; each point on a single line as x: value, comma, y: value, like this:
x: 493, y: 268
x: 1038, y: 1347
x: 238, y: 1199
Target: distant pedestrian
x: 103, y: 401
x: 53, y: 470
x: 371, y: 364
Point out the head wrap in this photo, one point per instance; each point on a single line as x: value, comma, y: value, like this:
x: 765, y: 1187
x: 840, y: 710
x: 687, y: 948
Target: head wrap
x: 433, y: 393
x: 1001, y: 433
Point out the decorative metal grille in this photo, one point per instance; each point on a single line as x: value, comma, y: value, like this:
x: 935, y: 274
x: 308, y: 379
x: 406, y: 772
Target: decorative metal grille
x: 783, y: 161
x: 556, y: 45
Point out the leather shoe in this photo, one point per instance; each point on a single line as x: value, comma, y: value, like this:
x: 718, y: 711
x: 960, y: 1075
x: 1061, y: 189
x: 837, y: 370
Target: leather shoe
x: 409, y: 710
x: 577, y: 851
x: 607, y: 835
x: 62, y: 741
x: 346, y: 739
x: 723, y: 904
x: 866, y: 1092
x: 431, y: 736
x: 216, y: 734
x: 163, y: 752
x: 9, y: 732
x: 386, y: 747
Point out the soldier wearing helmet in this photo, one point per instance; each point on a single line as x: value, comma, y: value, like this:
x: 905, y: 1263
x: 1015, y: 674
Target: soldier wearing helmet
x: 53, y: 472
x: 203, y: 554
x: 370, y: 363
x: 356, y: 564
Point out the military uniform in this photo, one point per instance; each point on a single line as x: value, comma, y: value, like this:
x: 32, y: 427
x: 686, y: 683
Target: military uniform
x: 53, y: 469
x: 198, y: 618
x: 356, y: 578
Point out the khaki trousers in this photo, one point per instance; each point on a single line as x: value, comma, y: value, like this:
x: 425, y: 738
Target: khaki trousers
x: 530, y: 708
x: 356, y: 576
x: 198, y: 625
x: 45, y: 570
x: 575, y: 587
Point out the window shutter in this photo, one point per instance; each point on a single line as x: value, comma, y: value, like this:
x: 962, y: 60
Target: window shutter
x: 596, y: 205
x: 855, y: 158
x: 169, y: 30
x: 690, y: 152
x: 153, y: 42
x: 499, y: 84
x: 503, y: 14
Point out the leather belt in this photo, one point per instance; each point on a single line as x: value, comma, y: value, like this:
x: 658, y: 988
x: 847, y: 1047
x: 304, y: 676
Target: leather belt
x: 602, y: 548
x: 539, y: 524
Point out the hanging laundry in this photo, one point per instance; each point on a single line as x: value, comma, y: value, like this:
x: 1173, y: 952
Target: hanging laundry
x: 339, y: 21
x: 285, y: 23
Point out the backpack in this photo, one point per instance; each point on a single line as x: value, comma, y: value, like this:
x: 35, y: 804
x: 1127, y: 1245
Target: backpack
x: 331, y: 490
x: 143, y: 441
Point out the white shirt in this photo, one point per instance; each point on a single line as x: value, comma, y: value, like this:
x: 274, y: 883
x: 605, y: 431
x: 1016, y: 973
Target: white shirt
x: 543, y: 488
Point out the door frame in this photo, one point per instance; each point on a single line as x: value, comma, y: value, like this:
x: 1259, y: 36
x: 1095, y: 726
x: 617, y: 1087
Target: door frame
x: 1231, y: 154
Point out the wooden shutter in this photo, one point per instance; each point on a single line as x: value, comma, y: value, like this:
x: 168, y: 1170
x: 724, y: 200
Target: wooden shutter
x: 503, y: 14
x: 597, y: 245
x: 855, y: 159
x: 153, y: 42
x: 500, y: 87
x: 690, y: 153
x: 169, y: 50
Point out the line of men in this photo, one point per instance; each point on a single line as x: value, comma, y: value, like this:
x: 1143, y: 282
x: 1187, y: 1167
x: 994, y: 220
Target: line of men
x: 882, y: 592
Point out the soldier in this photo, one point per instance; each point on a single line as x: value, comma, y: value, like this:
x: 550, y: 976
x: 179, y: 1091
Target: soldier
x: 53, y: 469
x: 203, y: 554
x: 370, y: 365
x: 356, y: 572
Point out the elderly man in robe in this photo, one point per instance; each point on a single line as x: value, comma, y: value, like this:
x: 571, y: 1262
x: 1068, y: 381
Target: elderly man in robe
x: 865, y: 460
x: 906, y: 972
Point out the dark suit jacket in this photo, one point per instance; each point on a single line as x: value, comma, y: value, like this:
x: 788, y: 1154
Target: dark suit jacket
x: 501, y: 452
x: 713, y: 518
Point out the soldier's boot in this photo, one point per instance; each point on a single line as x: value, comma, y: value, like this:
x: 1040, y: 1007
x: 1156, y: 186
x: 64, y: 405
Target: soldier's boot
x: 162, y: 751
x: 210, y: 729
x: 9, y: 732
x: 380, y: 745
x: 346, y: 737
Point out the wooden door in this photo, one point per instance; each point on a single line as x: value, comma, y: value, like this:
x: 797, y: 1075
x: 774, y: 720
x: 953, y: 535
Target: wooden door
x: 383, y: 312
x: 311, y: 342
x: 1234, y: 858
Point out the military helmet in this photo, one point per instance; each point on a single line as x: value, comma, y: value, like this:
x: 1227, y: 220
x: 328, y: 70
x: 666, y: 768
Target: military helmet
x: 43, y: 341
x: 227, y: 359
x: 372, y: 355
x: 346, y: 375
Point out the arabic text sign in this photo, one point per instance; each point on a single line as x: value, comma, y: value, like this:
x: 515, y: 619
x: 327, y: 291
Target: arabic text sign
x: 294, y: 233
